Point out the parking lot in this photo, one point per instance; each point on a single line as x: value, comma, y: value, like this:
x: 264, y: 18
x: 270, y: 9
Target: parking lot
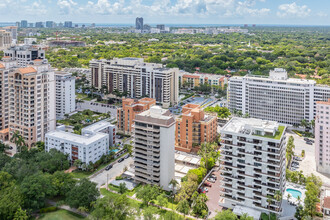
x: 308, y: 164
x: 214, y: 195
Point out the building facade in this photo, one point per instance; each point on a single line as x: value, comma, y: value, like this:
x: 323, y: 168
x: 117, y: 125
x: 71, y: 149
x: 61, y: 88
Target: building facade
x: 5, y: 39
x: 253, y: 164
x: 13, y: 31
x: 139, y: 23
x: 276, y: 98
x: 103, y: 127
x: 65, y: 94
x: 191, y: 80
x: 193, y: 128
x: 154, y: 135
x: 26, y: 54
x: 31, y: 101
x: 88, y: 147
x: 130, y: 108
x: 135, y: 79
x: 322, y: 137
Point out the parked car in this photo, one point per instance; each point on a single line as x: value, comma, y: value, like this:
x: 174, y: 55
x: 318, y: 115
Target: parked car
x: 306, y: 139
x: 211, y: 180
x: 293, y: 168
x: 309, y: 143
x: 127, y: 156
x: 297, y: 158
x: 201, y: 190
x: 213, y: 176
x: 205, y: 189
x: 208, y: 184
x: 108, y: 167
x: 120, y: 160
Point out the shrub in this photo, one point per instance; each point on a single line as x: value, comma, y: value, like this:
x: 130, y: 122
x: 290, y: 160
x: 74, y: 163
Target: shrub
x: 119, y: 178
x: 303, y: 153
x: 48, y: 209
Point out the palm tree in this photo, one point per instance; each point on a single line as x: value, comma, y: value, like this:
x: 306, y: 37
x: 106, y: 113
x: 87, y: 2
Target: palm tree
x: 288, y: 197
x: 278, y: 196
x: 304, y: 123
x: 173, y: 183
x: 18, y: 140
x: 269, y: 200
x: 299, y: 200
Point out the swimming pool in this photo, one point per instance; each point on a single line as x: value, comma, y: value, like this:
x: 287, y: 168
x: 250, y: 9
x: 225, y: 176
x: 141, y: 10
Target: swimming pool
x: 114, y: 150
x: 294, y: 193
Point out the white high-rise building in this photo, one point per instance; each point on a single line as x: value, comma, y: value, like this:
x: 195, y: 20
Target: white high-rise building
x: 154, y: 141
x: 253, y: 164
x: 26, y: 54
x: 65, y: 94
x: 277, y: 97
x: 88, y: 147
x: 322, y: 137
x: 137, y: 79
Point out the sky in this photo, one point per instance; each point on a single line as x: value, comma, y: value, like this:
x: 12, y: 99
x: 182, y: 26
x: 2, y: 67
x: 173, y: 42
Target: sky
x: 283, y: 12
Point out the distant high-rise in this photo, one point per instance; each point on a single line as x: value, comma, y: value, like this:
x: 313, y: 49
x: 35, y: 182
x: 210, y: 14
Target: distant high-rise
x: 24, y: 24
x: 30, y: 25
x: 18, y: 24
x: 49, y: 24
x: 39, y: 24
x: 161, y: 26
x: 139, y: 23
x: 68, y: 24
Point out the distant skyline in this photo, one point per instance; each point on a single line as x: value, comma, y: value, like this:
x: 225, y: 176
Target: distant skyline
x: 280, y: 12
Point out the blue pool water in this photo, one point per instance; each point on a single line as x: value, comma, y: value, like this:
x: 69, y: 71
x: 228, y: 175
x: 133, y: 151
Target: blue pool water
x: 114, y: 150
x: 294, y: 193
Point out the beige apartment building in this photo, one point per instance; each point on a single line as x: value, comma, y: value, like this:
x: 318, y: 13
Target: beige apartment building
x: 27, y: 103
x: 136, y: 79
x: 130, y: 108
x: 5, y: 39
x: 193, y: 128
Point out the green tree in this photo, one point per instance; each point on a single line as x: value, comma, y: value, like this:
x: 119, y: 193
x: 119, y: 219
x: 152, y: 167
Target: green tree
x: 162, y: 200
x: 36, y: 188
x: 122, y: 188
x: 18, y: 140
x: 148, y: 193
x: 246, y: 217
x: 198, y: 204
x: 183, y: 207
x: 62, y: 182
x: 226, y: 215
x: 117, y: 208
x: 82, y: 194
x: 21, y: 215
x: 300, y: 213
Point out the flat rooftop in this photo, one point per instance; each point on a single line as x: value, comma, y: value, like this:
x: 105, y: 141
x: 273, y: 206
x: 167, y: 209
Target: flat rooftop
x: 98, y: 126
x: 79, y: 139
x: 156, y: 115
x: 248, y: 126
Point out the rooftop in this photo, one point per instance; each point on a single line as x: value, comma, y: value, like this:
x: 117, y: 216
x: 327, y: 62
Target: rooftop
x: 79, y: 139
x: 253, y: 126
x: 26, y: 70
x: 97, y: 126
x: 326, y: 202
x: 156, y: 115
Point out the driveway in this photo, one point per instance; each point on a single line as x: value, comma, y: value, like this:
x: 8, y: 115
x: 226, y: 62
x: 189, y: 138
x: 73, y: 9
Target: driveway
x: 214, y: 195
x: 116, y: 170
x: 308, y: 164
x: 97, y: 107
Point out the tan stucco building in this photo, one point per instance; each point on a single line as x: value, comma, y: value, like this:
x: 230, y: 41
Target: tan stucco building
x: 193, y: 128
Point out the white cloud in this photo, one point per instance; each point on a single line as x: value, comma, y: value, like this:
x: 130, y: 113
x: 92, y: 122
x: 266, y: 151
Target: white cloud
x: 293, y: 10
x: 217, y: 8
x: 322, y: 14
x: 66, y: 6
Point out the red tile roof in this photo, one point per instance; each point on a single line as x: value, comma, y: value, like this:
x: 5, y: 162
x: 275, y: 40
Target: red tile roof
x: 326, y: 202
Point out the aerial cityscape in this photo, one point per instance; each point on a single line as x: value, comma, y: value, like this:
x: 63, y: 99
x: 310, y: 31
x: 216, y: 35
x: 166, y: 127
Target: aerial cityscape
x: 167, y: 110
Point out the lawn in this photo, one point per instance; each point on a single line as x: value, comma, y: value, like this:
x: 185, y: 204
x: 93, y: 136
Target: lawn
x: 83, y: 97
x: 61, y: 215
x: 277, y: 135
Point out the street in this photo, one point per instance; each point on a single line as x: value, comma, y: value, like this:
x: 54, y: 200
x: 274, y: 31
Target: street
x: 116, y: 170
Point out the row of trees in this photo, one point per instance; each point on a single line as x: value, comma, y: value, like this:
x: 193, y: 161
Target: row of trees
x: 222, y: 112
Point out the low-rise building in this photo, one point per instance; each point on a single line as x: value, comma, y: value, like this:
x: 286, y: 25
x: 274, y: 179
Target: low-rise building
x: 252, y: 164
x: 130, y: 108
x: 194, y: 127
x: 88, y: 147
x: 65, y: 94
x: 322, y: 136
x: 191, y: 80
x: 26, y: 54
x: 154, y: 132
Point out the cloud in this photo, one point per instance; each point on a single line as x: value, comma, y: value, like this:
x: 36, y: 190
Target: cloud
x: 66, y: 6
x: 201, y: 8
x: 293, y: 10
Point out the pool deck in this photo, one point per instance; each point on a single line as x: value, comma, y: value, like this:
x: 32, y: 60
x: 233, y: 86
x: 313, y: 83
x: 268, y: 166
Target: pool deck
x: 295, y: 187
